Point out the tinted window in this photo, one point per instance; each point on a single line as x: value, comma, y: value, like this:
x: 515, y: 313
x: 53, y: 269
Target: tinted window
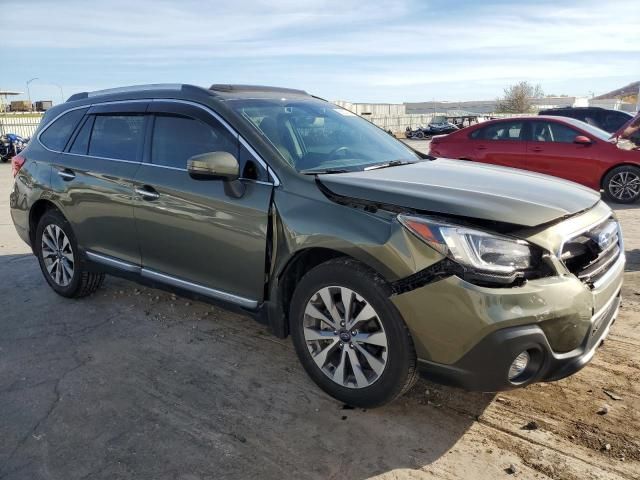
x: 613, y: 121
x: 117, y: 136
x: 591, y: 117
x: 553, y: 132
x: 176, y: 139
x: 81, y: 142
x: 55, y: 137
x: 500, y: 131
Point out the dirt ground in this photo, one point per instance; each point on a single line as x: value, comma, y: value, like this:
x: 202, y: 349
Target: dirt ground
x: 136, y: 383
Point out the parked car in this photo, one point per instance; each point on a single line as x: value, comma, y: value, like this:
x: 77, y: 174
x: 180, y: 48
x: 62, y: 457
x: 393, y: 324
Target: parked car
x: 378, y: 262
x: 558, y: 146
x: 438, y: 126
x: 603, y: 118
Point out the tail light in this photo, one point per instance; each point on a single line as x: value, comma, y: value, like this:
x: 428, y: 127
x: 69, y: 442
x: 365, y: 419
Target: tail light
x: 16, y: 164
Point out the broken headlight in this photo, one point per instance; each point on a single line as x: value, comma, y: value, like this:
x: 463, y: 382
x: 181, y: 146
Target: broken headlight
x: 475, y: 249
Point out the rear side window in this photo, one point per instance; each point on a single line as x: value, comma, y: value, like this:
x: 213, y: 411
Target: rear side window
x: 500, y: 131
x: 57, y: 134
x: 117, y: 136
x: 176, y: 139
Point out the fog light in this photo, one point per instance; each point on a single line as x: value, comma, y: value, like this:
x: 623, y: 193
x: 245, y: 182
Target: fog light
x: 519, y: 365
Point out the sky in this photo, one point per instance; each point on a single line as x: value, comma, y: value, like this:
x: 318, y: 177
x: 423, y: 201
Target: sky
x: 361, y: 51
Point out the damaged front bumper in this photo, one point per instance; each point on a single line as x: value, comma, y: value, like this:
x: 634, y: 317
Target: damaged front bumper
x: 468, y: 335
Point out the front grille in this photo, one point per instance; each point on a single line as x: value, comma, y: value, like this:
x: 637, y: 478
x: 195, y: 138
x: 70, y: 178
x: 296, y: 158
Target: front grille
x: 592, y: 253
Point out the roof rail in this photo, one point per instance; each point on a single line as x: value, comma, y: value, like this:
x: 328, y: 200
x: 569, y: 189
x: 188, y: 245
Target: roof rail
x: 221, y: 87
x: 129, y: 89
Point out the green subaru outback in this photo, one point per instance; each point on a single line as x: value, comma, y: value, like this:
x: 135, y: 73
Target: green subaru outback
x: 380, y: 262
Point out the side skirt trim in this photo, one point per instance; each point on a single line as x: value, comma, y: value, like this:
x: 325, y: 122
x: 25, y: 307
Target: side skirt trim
x: 173, y: 281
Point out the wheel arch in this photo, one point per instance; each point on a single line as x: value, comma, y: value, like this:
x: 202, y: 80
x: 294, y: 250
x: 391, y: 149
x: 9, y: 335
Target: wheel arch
x: 37, y: 210
x: 286, y: 280
x: 613, y: 167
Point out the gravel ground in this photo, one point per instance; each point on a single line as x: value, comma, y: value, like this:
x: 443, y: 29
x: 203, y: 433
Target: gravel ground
x: 136, y: 383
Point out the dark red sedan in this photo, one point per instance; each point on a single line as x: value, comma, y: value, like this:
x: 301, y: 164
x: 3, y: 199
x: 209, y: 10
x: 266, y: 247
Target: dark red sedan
x: 558, y: 146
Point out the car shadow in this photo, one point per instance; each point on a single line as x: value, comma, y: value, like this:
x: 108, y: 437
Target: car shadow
x: 633, y: 260
x: 132, y: 381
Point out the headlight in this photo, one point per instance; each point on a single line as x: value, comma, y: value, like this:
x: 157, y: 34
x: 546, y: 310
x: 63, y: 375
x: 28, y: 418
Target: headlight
x: 469, y: 247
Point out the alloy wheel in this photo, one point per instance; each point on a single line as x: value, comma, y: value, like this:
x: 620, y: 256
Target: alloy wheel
x: 345, y: 337
x: 624, y: 185
x: 57, y: 255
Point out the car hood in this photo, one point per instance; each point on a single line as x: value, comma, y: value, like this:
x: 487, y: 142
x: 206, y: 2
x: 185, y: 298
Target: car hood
x: 461, y: 188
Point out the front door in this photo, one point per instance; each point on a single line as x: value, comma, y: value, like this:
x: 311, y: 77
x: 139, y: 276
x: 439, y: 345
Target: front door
x: 552, y: 151
x: 192, y: 233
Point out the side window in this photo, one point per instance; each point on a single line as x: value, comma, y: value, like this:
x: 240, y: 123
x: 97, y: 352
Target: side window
x: 501, y: 131
x: 592, y: 117
x: 55, y: 137
x: 176, y: 139
x: 614, y: 121
x: 117, y: 136
x: 81, y: 142
x: 553, y: 132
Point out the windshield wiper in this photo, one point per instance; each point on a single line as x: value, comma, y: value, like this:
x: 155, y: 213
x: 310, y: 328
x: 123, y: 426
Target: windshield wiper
x: 312, y: 171
x: 392, y: 163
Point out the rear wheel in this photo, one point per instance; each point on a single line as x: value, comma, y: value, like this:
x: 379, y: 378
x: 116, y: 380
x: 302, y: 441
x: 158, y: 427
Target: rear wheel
x: 348, y: 335
x: 622, y: 184
x: 59, y: 259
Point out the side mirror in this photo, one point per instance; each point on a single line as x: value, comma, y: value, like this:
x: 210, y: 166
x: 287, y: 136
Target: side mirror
x: 218, y: 166
x: 582, y: 140
x: 214, y: 165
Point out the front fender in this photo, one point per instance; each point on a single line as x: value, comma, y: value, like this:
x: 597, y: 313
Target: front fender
x: 376, y: 239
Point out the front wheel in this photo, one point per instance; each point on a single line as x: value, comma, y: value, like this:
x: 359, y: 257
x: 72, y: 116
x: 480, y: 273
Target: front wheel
x: 622, y: 184
x: 348, y: 335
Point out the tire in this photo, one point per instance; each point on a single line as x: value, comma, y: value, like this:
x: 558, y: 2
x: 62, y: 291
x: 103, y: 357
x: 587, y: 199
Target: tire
x: 622, y: 184
x: 69, y: 277
x: 376, y: 384
x: 419, y: 135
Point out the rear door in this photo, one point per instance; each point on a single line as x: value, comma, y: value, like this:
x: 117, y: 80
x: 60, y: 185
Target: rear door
x: 192, y: 233
x: 500, y: 143
x: 552, y: 151
x: 93, y: 179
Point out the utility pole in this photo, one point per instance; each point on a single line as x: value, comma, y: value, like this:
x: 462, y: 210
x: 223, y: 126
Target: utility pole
x: 29, y: 92
x: 61, y: 92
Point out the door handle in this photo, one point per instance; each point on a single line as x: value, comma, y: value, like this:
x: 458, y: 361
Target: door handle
x: 147, y: 193
x: 481, y: 147
x: 66, y: 174
x: 536, y: 149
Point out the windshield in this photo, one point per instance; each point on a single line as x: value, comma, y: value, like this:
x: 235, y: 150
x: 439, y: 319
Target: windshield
x: 315, y: 136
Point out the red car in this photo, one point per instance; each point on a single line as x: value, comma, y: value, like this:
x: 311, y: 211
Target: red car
x: 559, y: 146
